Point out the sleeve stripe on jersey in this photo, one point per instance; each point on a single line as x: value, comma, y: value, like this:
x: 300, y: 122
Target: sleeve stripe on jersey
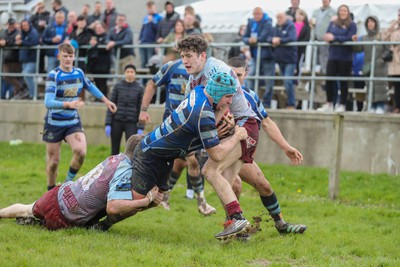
x: 208, y: 134
x: 168, y: 126
x: 207, y: 127
x: 207, y: 114
x: 158, y: 133
x: 177, y: 97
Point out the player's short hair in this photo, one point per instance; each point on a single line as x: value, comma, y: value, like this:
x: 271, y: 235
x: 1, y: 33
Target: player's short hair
x: 67, y: 48
x: 131, y: 144
x: 193, y: 43
x: 237, y: 62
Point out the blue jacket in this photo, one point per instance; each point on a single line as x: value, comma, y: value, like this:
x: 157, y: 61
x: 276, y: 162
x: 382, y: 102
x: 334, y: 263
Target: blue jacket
x: 341, y: 34
x: 264, y: 31
x: 287, y: 33
x: 29, y: 38
x: 50, y: 32
x: 148, y: 33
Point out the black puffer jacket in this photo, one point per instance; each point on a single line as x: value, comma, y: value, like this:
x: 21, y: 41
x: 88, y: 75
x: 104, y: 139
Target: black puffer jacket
x: 128, y: 98
x: 10, y: 55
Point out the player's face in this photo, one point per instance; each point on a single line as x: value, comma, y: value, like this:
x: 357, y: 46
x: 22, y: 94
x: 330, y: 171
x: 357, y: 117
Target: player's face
x: 66, y: 60
x: 241, y: 73
x: 193, y: 62
x: 225, y: 102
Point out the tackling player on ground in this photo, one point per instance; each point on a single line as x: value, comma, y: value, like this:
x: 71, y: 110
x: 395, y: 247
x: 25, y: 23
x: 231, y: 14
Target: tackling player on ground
x: 105, y: 190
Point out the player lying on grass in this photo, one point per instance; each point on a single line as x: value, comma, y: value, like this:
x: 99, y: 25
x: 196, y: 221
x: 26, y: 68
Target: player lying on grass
x: 104, y: 191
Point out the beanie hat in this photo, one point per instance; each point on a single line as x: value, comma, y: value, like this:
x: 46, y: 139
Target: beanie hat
x: 220, y: 84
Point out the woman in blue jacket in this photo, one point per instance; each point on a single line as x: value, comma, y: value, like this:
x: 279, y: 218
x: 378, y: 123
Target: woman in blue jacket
x: 340, y: 57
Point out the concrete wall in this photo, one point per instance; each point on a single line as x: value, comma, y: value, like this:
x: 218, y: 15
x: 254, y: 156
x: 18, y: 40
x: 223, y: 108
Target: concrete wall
x: 370, y: 142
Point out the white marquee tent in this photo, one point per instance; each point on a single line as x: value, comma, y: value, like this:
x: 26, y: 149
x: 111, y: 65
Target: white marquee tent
x: 226, y: 16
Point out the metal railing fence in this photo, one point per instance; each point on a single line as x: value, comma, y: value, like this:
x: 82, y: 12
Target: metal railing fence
x: 312, y: 78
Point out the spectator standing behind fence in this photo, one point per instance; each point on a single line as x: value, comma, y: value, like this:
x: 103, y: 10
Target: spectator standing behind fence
x: 127, y: 95
x: 122, y: 35
x: 99, y: 59
x: 72, y: 19
x: 29, y: 37
x: 58, y: 6
x: 39, y: 20
x: 167, y: 24
x: 340, y: 59
x: 110, y: 15
x: 191, y: 25
x: 303, y: 32
x: 320, y: 20
x: 10, y: 59
x: 259, y: 29
x: 148, y: 33
x: 238, y: 51
x: 379, y: 96
x: 174, y: 37
x: 190, y: 10
x: 286, y: 56
x: 80, y: 36
x: 54, y: 34
x: 85, y: 10
x: 392, y: 34
x: 97, y: 15
x: 291, y: 12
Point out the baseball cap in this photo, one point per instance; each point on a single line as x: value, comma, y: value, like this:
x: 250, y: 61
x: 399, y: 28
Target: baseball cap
x: 11, y: 21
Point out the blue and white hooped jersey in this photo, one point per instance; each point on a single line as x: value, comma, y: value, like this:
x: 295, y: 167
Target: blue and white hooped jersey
x: 174, y: 76
x: 240, y: 108
x: 190, y: 127
x: 255, y: 103
x: 63, y: 87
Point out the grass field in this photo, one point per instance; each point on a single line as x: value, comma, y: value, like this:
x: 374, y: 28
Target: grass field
x: 360, y: 228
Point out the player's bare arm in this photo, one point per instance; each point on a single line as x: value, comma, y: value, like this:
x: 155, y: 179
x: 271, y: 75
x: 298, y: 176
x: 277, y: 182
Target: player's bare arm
x: 270, y: 127
x: 110, y: 105
x: 130, y: 207
x: 144, y: 116
x: 220, y: 151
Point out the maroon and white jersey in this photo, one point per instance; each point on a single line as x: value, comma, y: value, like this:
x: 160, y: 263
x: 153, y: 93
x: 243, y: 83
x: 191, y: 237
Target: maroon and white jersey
x: 83, y: 199
x: 240, y: 107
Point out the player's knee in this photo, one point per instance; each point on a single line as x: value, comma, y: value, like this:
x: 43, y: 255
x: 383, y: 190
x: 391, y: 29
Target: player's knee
x: 264, y: 188
x: 53, y: 163
x: 112, y: 209
x: 237, y: 186
x: 208, y: 172
x: 80, y: 153
x: 193, y: 163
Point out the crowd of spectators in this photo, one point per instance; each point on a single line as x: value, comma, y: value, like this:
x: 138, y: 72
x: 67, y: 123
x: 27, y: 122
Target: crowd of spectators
x: 108, y: 27
x: 96, y: 35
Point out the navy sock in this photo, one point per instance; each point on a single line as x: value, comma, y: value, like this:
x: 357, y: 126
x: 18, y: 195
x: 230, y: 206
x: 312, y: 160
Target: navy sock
x: 272, y: 205
x: 49, y: 187
x: 173, y: 178
x: 71, y: 174
x: 197, y: 182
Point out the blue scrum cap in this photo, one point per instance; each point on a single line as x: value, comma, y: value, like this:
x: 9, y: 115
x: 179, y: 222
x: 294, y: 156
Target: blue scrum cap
x: 220, y: 84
